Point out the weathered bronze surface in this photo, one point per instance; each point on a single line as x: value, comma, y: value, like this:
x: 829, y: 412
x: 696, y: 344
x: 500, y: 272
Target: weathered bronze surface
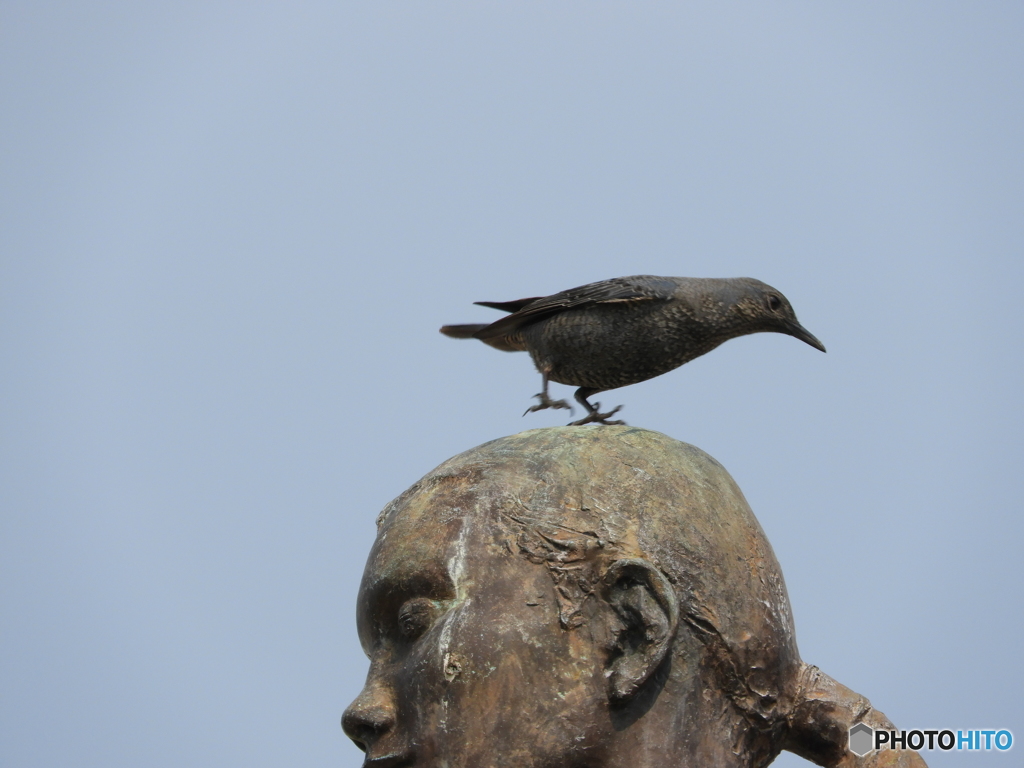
x: 587, y: 597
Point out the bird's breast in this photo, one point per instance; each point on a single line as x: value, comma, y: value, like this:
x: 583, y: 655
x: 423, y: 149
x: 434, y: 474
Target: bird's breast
x: 613, y: 345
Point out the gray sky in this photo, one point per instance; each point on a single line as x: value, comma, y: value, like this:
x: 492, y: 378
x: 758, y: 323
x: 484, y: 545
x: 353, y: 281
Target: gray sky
x: 230, y: 231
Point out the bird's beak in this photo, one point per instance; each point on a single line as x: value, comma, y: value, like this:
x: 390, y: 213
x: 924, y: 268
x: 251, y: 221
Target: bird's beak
x: 798, y: 331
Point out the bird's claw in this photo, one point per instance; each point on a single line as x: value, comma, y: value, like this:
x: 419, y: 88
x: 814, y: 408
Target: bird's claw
x: 546, y: 402
x: 599, y: 418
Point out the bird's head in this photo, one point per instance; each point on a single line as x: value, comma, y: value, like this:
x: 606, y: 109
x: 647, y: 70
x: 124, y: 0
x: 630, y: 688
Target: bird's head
x: 765, y: 309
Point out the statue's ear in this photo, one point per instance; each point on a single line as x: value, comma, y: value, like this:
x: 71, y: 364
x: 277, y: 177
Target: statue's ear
x: 647, y: 614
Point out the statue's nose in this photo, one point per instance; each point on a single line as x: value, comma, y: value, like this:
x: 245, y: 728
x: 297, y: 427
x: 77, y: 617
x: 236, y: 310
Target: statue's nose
x: 368, y: 718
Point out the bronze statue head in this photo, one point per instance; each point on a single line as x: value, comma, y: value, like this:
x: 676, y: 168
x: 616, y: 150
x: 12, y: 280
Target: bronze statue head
x: 581, y: 597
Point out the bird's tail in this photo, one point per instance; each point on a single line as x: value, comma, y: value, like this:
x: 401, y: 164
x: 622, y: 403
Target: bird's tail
x: 462, y: 331
x: 513, y: 343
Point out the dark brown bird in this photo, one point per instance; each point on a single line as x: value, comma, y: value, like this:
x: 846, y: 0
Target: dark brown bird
x: 629, y: 329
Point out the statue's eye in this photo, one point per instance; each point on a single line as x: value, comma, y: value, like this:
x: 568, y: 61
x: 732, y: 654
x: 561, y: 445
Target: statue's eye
x: 774, y: 302
x: 415, y: 617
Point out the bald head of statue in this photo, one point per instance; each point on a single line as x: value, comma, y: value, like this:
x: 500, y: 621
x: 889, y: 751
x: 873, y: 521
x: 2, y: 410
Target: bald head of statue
x: 585, y: 597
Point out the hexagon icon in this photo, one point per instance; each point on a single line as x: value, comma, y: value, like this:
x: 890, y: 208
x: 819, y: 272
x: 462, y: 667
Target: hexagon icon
x: 862, y: 739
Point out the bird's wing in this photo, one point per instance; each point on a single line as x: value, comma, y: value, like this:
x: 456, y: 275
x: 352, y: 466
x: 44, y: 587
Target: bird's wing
x: 508, y: 306
x: 617, y: 290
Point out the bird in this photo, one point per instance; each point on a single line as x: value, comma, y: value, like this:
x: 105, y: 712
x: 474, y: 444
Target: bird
x: 625, y: 330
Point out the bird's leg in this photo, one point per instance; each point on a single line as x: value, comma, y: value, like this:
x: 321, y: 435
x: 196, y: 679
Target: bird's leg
x: 545, y: 399
x: 592, y: 410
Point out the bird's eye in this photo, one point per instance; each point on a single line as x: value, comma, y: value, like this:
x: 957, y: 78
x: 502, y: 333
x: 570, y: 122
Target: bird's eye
x: 415, y: 617
x: 774, y: 302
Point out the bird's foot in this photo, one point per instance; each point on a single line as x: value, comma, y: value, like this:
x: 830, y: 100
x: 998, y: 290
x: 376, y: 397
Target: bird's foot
x: 546, y: 402
x: 599, y: 418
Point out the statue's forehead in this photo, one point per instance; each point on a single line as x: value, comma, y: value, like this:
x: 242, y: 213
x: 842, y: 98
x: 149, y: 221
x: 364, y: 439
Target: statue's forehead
x: 422, y: 530
x: 438, y: 499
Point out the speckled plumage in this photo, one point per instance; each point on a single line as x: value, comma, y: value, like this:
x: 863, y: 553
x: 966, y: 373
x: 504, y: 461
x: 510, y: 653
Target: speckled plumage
x: 629, y: 329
